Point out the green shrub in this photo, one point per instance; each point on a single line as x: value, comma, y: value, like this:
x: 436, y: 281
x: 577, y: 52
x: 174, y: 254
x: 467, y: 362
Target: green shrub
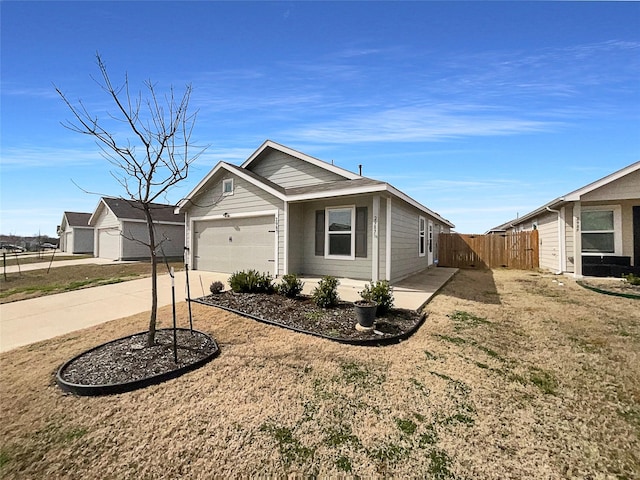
x: 290, y: 286
x: 325, y: 295
x: 216, y: 287
x: 251, y: 281
x: 380, y: 292
x: 632, y: 279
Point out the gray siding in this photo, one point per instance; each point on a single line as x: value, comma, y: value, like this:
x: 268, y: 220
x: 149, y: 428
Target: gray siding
x: 359, y: 268
x: 568, y: 235
x: 135, y: 232
x: 549, y: 242
x: 82, y: 241
x: 405, y: 259
x: 288, y: 171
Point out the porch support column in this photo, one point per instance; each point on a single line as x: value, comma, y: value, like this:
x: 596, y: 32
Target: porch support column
x: 387, y: 273
x: 286, y: 238
x: 562, y: 231
x: 577, y: 241
x: 375, y: 244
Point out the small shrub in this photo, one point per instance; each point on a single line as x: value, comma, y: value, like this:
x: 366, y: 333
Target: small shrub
x: 325, y: 295
x: 251, y: 281
x: 632, y: 279
x: 380, y: 292
x: 290, y: 286
x: 216, y: 287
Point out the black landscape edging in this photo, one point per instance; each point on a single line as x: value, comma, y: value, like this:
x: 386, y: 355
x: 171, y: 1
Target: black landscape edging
x: 608, y: 292
x: 113, y: 388
x: 366, y: 342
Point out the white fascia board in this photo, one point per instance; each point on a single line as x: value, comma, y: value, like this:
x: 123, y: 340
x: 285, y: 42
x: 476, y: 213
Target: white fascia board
x: 156, y: 222
x: 302, y: 156
x: 384, y: 187
x: 222, y: 165
x: 577, y: 194
x: 94, y: 214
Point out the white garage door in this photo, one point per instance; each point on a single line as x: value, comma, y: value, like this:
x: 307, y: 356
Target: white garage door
x: 235, y: 244
x: 68, y: 245
x: 109, y: 243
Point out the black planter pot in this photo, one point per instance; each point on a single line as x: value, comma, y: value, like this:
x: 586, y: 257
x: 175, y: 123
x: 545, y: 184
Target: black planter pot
x: 365, y: 313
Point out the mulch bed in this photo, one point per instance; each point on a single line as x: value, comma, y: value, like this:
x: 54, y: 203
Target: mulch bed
x: 302, y: 314
x: 128, y: 360
x: 612, y: 287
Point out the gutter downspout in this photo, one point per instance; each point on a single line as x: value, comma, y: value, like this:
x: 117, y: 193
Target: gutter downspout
x: 561, y: 239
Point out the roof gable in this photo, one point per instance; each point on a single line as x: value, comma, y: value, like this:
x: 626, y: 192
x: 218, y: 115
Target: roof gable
x: 76, y: 219
x: 317, y: 169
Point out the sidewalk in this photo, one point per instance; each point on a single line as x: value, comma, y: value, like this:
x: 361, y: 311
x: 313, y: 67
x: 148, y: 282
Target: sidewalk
x: 58, y: 263
x: 29, y: 321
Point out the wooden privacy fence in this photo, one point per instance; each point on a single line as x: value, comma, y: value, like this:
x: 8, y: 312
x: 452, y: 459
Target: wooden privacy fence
x: 513, y: 250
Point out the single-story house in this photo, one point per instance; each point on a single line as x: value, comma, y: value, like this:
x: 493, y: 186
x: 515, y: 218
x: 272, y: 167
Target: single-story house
x: 283, y: 211
x: 592, y: 231
x: 76, y: 235
x: 121, y: 230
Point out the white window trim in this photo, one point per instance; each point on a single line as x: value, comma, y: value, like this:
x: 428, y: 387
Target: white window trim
x: 617, y: 228
x: 422, y: 235
x: 226, y: 182
x: 352, y: 233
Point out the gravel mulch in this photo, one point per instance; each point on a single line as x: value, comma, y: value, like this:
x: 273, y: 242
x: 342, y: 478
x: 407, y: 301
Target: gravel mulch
x: 302, y: 314
x: 128, y: 359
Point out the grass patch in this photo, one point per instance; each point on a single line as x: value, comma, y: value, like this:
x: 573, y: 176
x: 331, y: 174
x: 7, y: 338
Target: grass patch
x: 464, y: 320
x: 420, y: 386
x: 340, y: 435
x: 408, y: 427
x: 440, y: 465
x: 428, y: 438
x: 360, y: 375
x: 344, y: 464
x: 291, y: 450
x: 454, y: 340
x: 429, y: 355
x: 4, y: 458
x: 544, y: 380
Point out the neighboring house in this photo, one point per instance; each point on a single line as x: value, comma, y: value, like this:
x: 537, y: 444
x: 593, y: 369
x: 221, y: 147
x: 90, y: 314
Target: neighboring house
x: 283, y: 212
x: 593, y: 231
x: 76, y: 236
x: 121, y: 230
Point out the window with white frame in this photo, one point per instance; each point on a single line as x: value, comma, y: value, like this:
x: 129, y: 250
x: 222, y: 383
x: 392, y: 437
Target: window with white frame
x: 601, y: 230
x: 421, y: 236
x: 340, y: 240
x: 227, y: 186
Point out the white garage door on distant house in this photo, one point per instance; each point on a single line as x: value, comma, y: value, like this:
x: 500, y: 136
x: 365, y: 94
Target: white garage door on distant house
x: 108, y: 243
x: 234, y: 244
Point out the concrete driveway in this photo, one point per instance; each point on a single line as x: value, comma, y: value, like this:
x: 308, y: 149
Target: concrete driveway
x: 29, y: 321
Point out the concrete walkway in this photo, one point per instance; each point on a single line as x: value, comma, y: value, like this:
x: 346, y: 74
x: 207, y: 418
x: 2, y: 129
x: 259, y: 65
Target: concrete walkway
x: 58, y: 263
x: 29, y: 321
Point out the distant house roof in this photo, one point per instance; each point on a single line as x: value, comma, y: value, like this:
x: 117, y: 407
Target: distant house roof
x: 77, y: 219
x: 125, y: 209
x: 573, y: 196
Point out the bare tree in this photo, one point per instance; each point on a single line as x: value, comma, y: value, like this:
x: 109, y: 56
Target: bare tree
x: 152, y: 155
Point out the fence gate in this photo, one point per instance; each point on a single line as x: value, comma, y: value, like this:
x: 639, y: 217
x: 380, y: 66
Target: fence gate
x: 511, y: 250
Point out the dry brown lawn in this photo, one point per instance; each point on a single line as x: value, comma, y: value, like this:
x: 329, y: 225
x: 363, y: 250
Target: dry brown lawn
x: 511, y: 376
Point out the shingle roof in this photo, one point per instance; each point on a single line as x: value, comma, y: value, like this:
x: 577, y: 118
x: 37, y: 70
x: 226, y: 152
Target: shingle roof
x: 131, y: 210
x: 77, y: 219
x: 333, y: 186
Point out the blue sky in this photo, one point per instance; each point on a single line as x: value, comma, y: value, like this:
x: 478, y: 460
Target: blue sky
x: 479, y: 110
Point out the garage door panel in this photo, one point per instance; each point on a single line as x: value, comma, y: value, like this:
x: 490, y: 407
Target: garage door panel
x: 109, y: 243
x: 231, y: 245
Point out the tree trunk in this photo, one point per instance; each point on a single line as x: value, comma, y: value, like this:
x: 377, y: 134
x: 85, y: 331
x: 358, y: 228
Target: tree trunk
x: 151, y: 337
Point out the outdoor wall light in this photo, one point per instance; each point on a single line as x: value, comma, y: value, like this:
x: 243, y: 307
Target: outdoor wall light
x: 226, y: 215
